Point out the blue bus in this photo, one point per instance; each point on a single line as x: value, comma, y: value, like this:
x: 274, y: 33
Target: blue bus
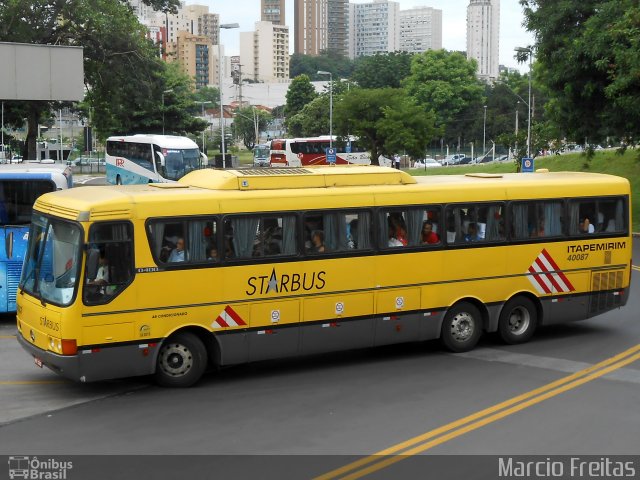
x: 20, y: 185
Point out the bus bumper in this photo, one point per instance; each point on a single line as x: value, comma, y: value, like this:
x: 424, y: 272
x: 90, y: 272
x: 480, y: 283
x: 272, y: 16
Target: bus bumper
x: 96, y: 364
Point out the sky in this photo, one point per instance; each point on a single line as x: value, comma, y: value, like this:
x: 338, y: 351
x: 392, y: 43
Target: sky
x: 454, y: 23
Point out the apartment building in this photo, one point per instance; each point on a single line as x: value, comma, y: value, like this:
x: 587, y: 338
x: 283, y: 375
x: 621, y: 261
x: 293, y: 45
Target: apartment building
x: 264, y: 53
x: 310, y: 26
x: 272, y: 11
x: 483, y: 30
x: 194, y: 54
x: 420, y: 29
x: 374, y: 27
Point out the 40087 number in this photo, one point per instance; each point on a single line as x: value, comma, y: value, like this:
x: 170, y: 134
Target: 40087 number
x: 577, y: 256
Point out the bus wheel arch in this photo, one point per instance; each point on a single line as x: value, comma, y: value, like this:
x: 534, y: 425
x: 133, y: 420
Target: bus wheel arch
x: 181, y: 359
x: 462, y: 325
x: 519, y: 318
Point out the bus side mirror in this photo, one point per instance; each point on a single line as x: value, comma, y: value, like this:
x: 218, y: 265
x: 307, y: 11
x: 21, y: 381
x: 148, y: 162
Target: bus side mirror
x: 204, y: 159
x: 161, y: 157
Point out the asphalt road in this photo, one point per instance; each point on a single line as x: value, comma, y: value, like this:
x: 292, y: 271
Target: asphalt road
x: 306, y: 417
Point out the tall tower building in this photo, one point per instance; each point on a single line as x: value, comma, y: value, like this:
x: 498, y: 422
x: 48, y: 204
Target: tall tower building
x: 264, y: 53
x: 483, y: 29
x: 193, y: 53
x: 272, y: 11
x: 310, y: 26
x: 374, y: 28
x: 338, y: 26
x: 420, y: 29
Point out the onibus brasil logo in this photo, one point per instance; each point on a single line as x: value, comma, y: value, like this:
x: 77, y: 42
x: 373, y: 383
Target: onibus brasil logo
x: 38, y: 468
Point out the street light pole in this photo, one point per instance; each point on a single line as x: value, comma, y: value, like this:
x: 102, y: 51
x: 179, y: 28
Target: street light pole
x: 203, y: 103
x: 220, y: 27
x: 484, y: 130
x: 323, y: 72
x: 529, y: 53
x: 165, y: 91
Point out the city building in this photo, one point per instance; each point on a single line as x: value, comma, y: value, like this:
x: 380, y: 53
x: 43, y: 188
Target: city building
x: 374, y: 28
x: 264, y: 53
x: 420, y: 29
x: 338, y: 26
x: 194, y: 54
x: 272, y: 11
x: 483, y: 29
x: 310, y: 26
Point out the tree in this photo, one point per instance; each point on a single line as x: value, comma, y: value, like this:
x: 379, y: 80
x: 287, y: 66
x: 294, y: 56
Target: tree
x: 444, y: 82
x: 313, y: 120
x: 587, y: 54
x: 248, y: 123
x: 382, y: 70
x: 300, y: 93
x: 386, y: 121
x: 334, y: 62
x: 122, y: 72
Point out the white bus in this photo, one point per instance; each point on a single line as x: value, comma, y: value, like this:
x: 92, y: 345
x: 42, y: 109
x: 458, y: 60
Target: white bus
x: 138, y: 159
x: 304, y: 152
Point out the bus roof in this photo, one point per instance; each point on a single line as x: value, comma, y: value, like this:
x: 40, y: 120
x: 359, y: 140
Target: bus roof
x: 163, y: 141
x: 225, y: 191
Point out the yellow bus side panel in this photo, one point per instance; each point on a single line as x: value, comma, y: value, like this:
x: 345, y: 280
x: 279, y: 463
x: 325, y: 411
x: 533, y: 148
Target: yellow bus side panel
x: 108, y: 333
x: 338, y: 306
x: 269, y: 314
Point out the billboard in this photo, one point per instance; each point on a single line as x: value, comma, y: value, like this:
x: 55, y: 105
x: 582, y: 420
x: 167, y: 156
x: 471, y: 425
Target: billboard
x: 41, y: 72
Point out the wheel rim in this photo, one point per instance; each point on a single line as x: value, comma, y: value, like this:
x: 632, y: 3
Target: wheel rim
x: 176, y: 360
x: 462, y: 327
x: 519, y: 320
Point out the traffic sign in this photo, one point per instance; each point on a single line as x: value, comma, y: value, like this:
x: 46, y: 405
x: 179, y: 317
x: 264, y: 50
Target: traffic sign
x: 527, y: 165
x: 331, y: 155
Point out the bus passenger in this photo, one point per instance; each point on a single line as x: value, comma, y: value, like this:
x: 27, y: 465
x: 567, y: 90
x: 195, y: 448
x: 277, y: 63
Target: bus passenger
x: 472, y: 233
x: 585, y: 226
x: 177, y: 254
x: 317, y: 240
x: 428, y: 235
x: 397, y: 231
x: 213, y: 254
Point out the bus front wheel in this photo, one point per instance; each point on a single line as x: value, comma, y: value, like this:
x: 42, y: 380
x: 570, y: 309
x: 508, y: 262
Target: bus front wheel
x: 518, y: 320
x: 461, y: 328
x: 181, y: 361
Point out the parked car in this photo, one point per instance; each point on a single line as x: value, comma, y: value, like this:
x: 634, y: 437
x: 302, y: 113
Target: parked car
x: 465, y: 161
x: 502, y: 158
x: 16, y: 159
x: 426, y: 163
x: 455, y: 159
x: 97, y: 161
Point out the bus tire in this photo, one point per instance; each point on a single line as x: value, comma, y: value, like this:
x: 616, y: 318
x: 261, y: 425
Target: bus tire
x: 461, y: 328
x: 118, y: 180
x: 518, y: 320
x: 181, y: 361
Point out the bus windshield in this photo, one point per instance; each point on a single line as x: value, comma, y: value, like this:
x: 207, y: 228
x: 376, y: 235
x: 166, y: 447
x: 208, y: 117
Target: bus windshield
x: 180, y: 161
x: 17, y: 197
x: 51, y: 265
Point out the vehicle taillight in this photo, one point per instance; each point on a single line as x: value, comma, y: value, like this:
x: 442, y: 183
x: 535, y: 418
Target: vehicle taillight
x: 69, y: 347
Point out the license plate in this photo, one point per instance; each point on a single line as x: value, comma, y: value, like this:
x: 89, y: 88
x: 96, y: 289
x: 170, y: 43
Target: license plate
x: 37, y: 361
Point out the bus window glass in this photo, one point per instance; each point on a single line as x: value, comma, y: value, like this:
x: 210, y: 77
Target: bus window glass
x: 597, y: 216
x: 191, y: 241
x: 109, y: 264
x: 330, y: 232
x: 52, y: 263
x: 582, y: 216
x: 473, y: 223
x: 537, y: 219
x: 17, y: 197
x: 261, y: 236
x: 611, y: 216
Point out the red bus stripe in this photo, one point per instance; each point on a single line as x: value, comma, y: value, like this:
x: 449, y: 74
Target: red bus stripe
x: 232, y: 313
x: 538, y: 280
x: 549, y: 276
x: 221, y: 322
x: 557, y: 269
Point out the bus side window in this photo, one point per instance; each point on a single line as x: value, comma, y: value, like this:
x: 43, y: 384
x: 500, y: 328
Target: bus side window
x: 112, y: 251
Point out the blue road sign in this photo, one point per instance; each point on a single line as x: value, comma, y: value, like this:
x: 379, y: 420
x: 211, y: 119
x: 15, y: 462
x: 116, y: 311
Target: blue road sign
x: 347, y: 149
x: 331, y: 155
x: 527, y: 165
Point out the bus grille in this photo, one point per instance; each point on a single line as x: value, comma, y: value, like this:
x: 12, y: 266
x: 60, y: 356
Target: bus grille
x: 602, y: 286
x: 14, y: 269
x: 274, y: 171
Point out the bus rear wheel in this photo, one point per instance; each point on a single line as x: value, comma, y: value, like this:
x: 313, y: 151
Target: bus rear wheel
x: 181, y: 361
x: 518, y: 320
x: 461, y: 328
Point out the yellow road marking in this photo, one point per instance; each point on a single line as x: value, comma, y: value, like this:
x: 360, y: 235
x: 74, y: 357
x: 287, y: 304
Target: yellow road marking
x: 635, y: 267
x: 481, y: 418
x: 32, y: 382
x: 7, y: 336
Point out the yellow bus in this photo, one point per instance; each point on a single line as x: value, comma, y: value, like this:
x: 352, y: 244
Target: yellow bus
x: 227, y: 267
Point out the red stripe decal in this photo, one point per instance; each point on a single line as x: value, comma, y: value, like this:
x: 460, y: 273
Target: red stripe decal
x: 232, y: 313
x: 536, y: 277
x: 549, y: 276
x: 557, y: 269
x: 221, y: 322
